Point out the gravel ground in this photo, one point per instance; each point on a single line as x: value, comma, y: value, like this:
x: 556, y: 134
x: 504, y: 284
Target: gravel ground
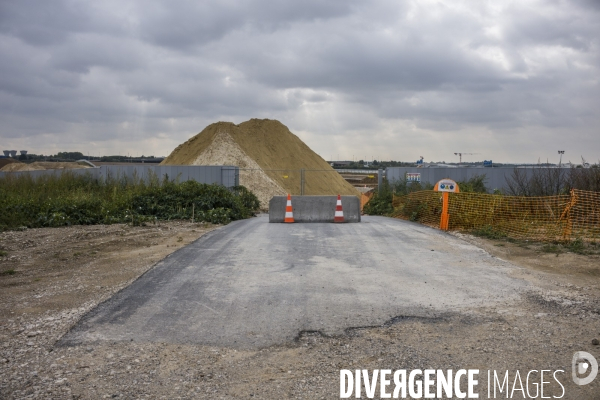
x: 62, y: 273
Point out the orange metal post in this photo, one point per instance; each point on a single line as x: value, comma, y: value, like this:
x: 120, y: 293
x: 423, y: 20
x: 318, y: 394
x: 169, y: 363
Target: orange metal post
x: 445, y: 217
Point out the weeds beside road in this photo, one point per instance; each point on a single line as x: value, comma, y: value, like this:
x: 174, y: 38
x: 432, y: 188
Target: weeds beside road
x: 69, y: 199
x: 576, y: 246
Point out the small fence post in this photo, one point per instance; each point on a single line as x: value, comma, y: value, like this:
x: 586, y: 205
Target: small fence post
x: 379, y: 180
x: 567, y: 215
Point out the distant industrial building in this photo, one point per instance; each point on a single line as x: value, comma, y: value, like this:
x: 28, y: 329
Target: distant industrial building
x: 13, y: 153
x: 340, y: 163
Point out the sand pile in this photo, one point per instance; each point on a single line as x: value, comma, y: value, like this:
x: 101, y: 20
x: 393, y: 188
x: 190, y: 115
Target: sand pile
x: 20, y: 167
x: 6, y: 161
x: 60, y: 165
x: 270, y: 158
x: 41, y: 165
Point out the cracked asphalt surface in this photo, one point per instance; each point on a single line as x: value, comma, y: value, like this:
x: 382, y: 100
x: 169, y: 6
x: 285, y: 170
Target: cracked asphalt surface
x: 252, y: 284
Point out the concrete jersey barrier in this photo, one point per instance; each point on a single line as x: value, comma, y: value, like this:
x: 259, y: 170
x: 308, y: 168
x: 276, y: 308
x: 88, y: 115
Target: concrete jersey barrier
x: 314, y: 208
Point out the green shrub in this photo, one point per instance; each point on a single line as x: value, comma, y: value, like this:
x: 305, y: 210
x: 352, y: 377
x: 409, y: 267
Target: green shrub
x: 474, y: 185
x: 69, y: 199
x: 248, y: 199
x: 381, y: 202
x: 577, y: 246
x: 489, y: 232
x: 402, y: 187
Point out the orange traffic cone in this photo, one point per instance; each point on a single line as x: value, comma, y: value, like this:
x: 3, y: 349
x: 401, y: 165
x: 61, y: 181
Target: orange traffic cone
x: 339, y: 213
x: 289, y: 215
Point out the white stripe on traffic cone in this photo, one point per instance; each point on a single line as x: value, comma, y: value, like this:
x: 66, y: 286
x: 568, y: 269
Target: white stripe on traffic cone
x: 289, y: 214
x: 339, y: 212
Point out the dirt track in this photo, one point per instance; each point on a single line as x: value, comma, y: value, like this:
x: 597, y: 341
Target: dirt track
x: 62, y: 273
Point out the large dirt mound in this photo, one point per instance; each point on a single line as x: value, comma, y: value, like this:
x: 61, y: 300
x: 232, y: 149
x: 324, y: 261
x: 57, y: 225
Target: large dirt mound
x: 60, y: 165
x: 269, y: 155
x: 41, y: 165
x: 20, y: 167
x: 6, y: 161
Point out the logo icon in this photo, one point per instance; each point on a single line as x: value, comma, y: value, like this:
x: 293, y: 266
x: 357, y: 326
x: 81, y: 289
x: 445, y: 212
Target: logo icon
x: 584, y: 363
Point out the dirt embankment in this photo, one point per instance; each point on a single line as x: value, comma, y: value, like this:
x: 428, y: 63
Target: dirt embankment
x: 42, y: 165
x: 58, y: 274
x: 19, y: 166
x: 270, y: 155
x: 6, y: 161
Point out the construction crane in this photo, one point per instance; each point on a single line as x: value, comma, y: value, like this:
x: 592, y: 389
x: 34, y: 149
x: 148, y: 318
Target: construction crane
x: 461, y: 154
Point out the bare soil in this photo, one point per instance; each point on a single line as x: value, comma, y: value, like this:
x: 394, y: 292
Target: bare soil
x: 61, y: 273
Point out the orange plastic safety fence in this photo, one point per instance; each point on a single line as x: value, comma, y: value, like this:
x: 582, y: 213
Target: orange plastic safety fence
x: 423, y: 206
x: 551, y: 218
x: 364, y: 199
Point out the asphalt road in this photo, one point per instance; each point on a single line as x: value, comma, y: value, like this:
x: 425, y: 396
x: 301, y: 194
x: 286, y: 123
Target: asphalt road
x: 253, y: 284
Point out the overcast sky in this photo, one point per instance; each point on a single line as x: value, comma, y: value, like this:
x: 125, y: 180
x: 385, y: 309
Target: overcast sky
x: 511, y: 80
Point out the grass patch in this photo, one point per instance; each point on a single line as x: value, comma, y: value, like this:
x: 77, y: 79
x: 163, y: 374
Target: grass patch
x: 8, y: 272
x: 3, y: 253
x: 577, y: 246
x: 488, y: 232
x: 551, y: 248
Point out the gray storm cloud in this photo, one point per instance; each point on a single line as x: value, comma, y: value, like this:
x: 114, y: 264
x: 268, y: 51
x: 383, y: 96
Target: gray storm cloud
x: 514, y: 81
